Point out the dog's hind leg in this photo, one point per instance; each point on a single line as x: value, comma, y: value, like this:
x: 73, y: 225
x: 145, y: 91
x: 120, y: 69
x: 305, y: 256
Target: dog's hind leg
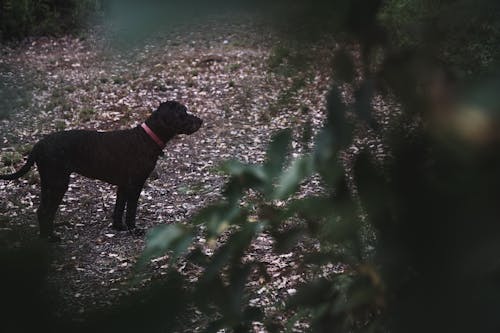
x: 121, y: 200
x: 54, y: 185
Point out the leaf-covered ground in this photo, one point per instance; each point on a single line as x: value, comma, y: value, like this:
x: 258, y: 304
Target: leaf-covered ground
x: 220, y: 70
x: 231, y: 73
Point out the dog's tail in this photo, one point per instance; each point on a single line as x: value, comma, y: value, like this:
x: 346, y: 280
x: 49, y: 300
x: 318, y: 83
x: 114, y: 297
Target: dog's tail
x: 24, y: 169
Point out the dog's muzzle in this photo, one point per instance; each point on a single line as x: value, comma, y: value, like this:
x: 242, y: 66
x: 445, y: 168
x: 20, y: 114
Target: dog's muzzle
x: 195, y: 125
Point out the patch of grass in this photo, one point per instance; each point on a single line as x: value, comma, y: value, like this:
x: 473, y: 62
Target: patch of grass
x: 298, y: 83
x: 127, y: 114
x: 32, y: 177
x: 41, y: 85
x: 24, y: 149
x: 266, y: 116
x: 4, y: 170
x: 70, y: 89
x: 11, y: 158
x: 287, y: 97
x: 67, y: 114
x: 51, y: 105
x: 161, y: 88
x: 284, y: 101
x: 118, y: 80
x: 185, y: 190
x: 58, y: 93
x: 235, y: 67
x: 238, y: 43
x: 227, y: 110
x: 278, y: 56
x: 304, y: 110
x: 59, y: 125
x: 59, y: 100
x: 197, y: 188
x: 86, y: 114
x: 288, y: 63
x: 246, y: 94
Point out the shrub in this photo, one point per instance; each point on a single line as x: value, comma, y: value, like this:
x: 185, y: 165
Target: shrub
x: 22, y: 18
x: 432, y: 207
x: 463, y: 33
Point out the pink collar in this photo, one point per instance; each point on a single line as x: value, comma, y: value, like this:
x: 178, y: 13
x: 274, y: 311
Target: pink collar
x: 153, y: 136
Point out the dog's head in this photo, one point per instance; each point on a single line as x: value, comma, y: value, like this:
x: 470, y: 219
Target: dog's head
x: 172, y: 118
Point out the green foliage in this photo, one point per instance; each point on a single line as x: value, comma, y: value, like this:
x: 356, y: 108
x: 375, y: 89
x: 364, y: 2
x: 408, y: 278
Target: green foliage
x: 86, y: 114
x: 287, y: 60
x: 169, y: 237
x: 330, y: 218
x: 431, y: 207
x: 463, y: 33
x: 21, y: 18
x: 11, y: 158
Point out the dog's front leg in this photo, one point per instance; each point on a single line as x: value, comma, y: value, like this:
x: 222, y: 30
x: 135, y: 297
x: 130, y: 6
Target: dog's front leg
x: 132, y: 200
x: 121, y: 199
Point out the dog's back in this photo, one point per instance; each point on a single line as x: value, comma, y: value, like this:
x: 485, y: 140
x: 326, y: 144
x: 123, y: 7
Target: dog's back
x: 113, y: 157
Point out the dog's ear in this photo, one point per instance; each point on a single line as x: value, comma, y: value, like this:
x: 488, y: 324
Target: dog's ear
x: 162, y: 106
x: 157, y: 115
x: 166, y: 114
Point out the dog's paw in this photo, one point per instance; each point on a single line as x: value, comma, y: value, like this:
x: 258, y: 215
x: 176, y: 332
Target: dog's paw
x: 119, y: 227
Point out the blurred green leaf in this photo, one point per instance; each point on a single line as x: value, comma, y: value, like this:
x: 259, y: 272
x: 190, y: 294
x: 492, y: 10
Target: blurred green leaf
x: 231, y: 250
x: 483, y: 95
x: 313, y: 294
x: 326, y: 148
x: 360, y: 292
x: 236, y: 168
x: 343, y: 66
x: 276, y: 153
x: 337, y: 124
x: 229, y: 299
x: 244, y: 177
x: 338, y: 230
x: 198, y: 257
x: 287, y: 239
x: 325, y: 257
x: 218, y: 217
x: 175, y: 238
x: 290, y: 180
x: 374, y: 192
x: 313, y: 208
x: 363, y: 102
x: 326, y: 158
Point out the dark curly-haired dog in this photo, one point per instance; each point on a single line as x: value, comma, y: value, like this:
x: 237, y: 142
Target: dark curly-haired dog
x: 124, y: 158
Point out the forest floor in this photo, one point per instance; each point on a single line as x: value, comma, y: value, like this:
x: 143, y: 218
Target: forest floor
x: 227, y: 73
